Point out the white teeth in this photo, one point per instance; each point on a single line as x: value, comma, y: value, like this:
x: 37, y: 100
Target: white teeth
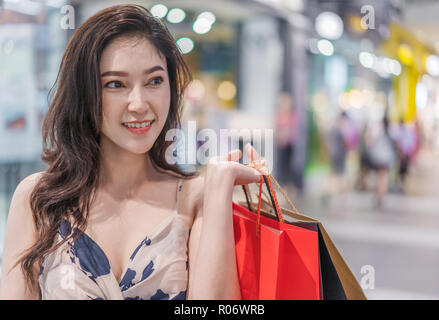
x: 137, y: 125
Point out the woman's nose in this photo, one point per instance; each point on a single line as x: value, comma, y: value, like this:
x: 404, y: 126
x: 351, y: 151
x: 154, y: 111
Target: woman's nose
x: 138, y: 100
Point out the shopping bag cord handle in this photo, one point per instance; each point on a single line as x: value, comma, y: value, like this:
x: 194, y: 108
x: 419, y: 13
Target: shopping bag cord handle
x: 263, y: 178
x: 271, y: 177
x: 284, y: 194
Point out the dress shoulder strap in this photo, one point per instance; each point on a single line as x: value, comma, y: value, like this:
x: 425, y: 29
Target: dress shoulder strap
x: 179, y: 186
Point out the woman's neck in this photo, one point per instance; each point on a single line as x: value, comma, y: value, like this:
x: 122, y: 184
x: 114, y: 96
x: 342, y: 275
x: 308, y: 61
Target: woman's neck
x: 124, y: 173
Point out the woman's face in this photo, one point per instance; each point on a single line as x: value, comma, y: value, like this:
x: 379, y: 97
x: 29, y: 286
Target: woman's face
x: 135, y: 94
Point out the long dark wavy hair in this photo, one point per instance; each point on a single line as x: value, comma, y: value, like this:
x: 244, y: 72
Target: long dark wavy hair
x: 71, y: 128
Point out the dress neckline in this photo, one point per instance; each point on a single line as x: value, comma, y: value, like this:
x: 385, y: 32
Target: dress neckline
x: 156, y: 231
x: 66, y: 229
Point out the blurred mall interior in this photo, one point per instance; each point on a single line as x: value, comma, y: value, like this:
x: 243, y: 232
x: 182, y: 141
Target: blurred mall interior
x: 349, y: 87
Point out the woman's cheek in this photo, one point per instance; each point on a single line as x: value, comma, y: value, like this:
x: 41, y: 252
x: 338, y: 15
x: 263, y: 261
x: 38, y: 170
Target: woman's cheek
x: 162, y: 103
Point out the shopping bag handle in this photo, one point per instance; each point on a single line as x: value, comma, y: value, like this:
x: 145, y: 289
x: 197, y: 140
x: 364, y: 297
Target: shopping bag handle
x: 264, y: 179
x: 267, y: 179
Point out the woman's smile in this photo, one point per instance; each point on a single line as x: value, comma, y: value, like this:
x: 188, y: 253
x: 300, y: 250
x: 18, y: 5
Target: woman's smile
x: 138, y: 127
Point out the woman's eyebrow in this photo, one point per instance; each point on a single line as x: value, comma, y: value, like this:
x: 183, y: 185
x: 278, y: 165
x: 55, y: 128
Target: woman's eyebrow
x: 125, y: 74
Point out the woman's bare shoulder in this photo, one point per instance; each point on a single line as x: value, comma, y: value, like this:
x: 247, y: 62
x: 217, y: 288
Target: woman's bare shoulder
x: 31, y: 180
x: 25, y: 187
x: 20, y: 205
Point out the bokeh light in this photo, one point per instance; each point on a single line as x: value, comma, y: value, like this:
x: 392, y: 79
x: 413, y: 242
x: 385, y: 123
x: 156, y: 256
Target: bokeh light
x: 325, y: 47
x: 159, y: 11
x: 176, y: 15
x: 185, y: 45
x: 226, y: 90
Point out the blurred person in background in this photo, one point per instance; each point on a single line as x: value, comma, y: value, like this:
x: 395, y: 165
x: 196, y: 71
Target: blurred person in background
x: 342, y: 138
x: 286, y: 134
x: 378, y: 155
x: 406, y: 138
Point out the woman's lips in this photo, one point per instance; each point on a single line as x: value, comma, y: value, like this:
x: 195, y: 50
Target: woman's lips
x: 139, y: 130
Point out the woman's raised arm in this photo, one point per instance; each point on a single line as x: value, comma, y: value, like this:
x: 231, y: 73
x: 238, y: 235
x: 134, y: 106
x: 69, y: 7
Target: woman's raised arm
x: 213, y: 273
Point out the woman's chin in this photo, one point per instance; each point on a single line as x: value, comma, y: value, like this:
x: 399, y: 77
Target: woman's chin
x: 139, y: 150
x: 135, y: 148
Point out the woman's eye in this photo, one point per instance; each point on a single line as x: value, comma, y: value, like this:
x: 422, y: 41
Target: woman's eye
x: 157, y: 81
x: 113, y: 84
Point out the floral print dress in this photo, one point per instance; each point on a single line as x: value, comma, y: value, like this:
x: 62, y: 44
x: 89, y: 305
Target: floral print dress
x: 157, y: 269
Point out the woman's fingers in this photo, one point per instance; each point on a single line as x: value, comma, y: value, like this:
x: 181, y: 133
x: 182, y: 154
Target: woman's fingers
x: 252, y: 154
x: 231, y: 156
x: 236, y: 154
x: 246, y: 175
x: 243, y: 174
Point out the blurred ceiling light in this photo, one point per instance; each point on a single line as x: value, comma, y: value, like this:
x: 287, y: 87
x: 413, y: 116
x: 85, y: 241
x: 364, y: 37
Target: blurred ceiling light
x: 207, y: 15
x: 329, y: 25
x: 386, y: 64
x: 395, y: 67
x: 432, y: 65
x: 325, y: 47
x: 405, y: 54
x: 176, y: 15
x: 196, y: 90
x: 421, y: 97
x: 202, y: 26
x: 185, y: 45
x: 159, y: 11
x: 381, y: 67
x: 367, y: 59
x: 226, y: 90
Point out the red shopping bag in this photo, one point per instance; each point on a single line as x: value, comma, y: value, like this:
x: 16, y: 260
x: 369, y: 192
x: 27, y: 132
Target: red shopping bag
x: 275, y: 260
x: 280, y: 260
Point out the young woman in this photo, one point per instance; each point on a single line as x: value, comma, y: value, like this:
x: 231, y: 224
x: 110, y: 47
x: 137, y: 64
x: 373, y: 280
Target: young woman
x: 110, y: 218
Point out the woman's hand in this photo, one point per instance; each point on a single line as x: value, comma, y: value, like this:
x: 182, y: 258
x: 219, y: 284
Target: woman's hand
x: 227, y: 167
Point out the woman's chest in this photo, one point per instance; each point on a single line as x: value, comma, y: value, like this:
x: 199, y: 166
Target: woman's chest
x: 119, y: 228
